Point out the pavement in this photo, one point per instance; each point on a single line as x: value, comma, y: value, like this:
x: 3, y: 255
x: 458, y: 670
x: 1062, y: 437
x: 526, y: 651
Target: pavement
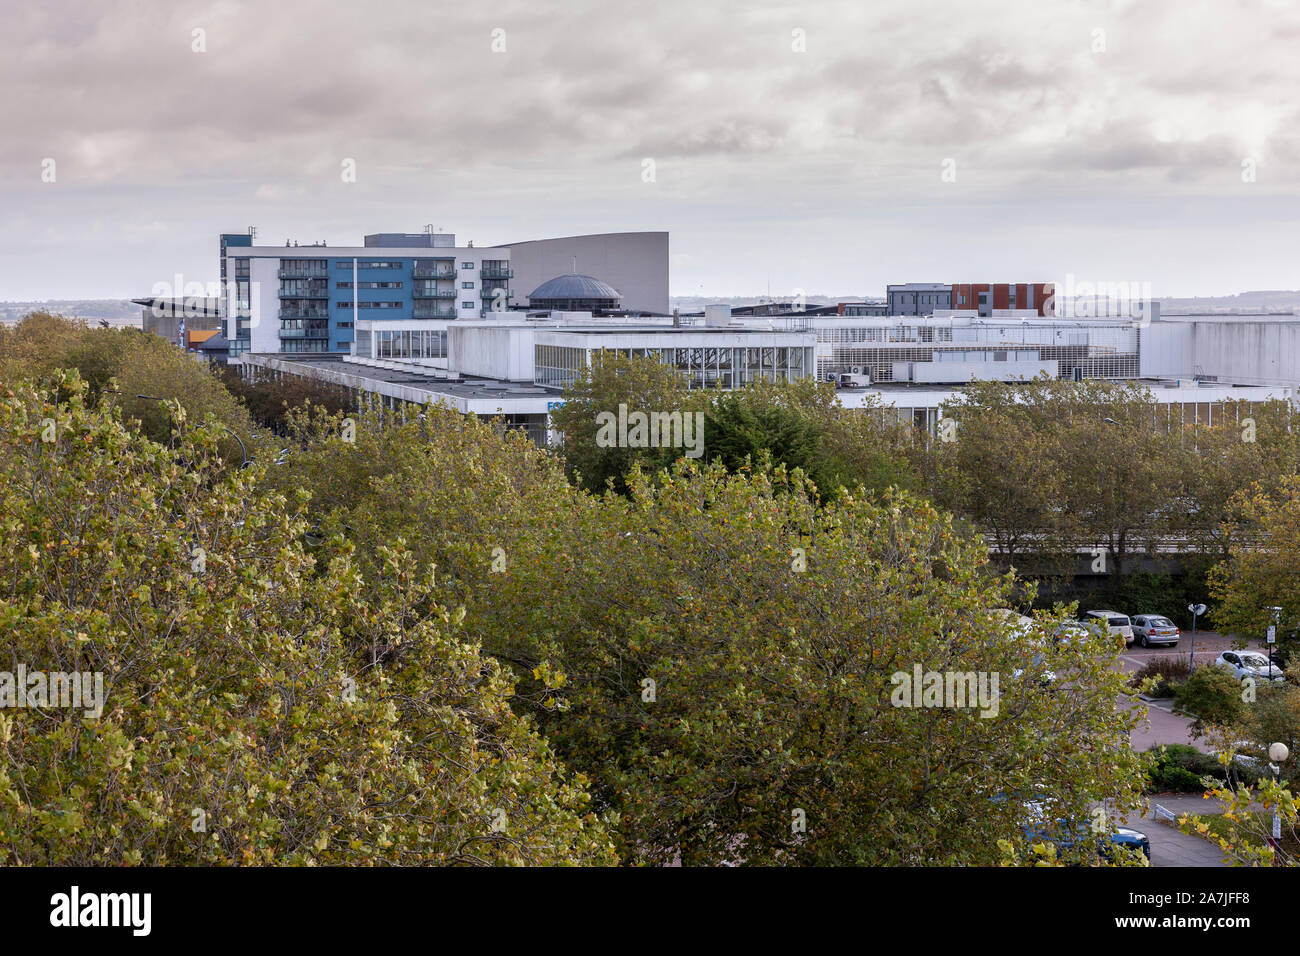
x: 1170, y: 846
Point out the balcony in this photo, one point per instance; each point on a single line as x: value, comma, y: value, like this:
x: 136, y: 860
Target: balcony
x: 497, y: 272
x: 320, y: 291
x: 301, y: 333
x: 299, y: 314
x: 434, y: 272
x: 427, y: 293
x: 490, y: 292
x: 423, y: 311
x: 300, y: 274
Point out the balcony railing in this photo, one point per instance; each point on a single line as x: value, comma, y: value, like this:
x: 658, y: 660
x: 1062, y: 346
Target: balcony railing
x: 300, y: 274
x: 434, y: 272
x: 313, y: 292
x: 497, y: 272
x: 491, y: 292
x: 427, y: 293
x: 300, y: 333
x: 300, y: 314
x: 432, y: 312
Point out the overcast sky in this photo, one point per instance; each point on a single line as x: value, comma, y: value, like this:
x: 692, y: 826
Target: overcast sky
x: 794, y: 146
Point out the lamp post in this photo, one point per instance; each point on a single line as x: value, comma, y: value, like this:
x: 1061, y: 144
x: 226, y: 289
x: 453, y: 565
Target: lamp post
x: 1272, y: 636
x: 1197, y: 610
x: 1277, y: 753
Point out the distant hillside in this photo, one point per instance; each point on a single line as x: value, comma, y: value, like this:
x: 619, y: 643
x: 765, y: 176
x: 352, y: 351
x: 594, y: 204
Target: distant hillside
x: 1264, y: 301
x: 113, y: 311
x: 695, y: 303
x: 1281, y: 300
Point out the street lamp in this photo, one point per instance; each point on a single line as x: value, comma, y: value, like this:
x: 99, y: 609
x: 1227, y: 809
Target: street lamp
x: 1197, y: 610
x: 1277, y: 753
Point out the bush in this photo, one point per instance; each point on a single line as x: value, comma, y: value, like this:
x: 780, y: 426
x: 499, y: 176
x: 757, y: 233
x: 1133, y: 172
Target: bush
x: 1168, y: 671
x: 1179, y: 768
x: 1212, y: 695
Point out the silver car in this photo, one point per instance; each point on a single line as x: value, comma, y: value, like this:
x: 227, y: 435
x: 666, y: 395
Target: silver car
x: 1152, y: 629
x: 1245, y: 664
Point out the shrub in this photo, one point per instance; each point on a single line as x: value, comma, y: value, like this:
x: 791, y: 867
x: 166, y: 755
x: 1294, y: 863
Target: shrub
x: 1180, y: 768
x: 1212, y: 695
x: 1168, y: 671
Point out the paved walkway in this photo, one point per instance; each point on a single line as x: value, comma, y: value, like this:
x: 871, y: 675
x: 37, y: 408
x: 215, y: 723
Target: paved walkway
x: 1159, y: 725
x: 1169, y: 845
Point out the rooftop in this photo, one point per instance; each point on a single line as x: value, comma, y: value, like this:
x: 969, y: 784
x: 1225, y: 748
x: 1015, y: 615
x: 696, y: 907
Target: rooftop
x: 574, y: 286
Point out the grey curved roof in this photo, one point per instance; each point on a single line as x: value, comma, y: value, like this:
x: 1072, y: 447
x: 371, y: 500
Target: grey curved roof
x: 574, y: 286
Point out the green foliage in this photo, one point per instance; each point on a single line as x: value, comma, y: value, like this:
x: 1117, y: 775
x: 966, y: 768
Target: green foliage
x: 796, y: 424
x: 1168, y: 672
x: 1262, y: 569
x: 257, y: 711
x: 1181, y: 768
x: 1242, y: 831
x: 270, y: 401
x: 1212, y: 695
x: 770, y: 627
x: 121, y: 365
x: 642, y: 385
x: 741, y: 431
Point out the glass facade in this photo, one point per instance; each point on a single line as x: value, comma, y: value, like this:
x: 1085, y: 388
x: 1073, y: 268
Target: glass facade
x: 725, y: 367
x: 408, y: 344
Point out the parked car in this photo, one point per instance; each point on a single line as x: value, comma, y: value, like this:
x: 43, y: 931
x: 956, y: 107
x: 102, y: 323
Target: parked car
x: 1119, y: 625
x: 1040, y: 824
x: 1072, y: 631
x: 1245, y: 664
x: 1152, y: 629
x: 1030, y: 636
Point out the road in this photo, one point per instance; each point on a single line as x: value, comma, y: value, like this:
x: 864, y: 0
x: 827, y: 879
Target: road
x: 1169, y: 846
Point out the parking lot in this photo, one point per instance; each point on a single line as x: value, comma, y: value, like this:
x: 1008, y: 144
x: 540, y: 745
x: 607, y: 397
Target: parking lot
x: 1209, y: 645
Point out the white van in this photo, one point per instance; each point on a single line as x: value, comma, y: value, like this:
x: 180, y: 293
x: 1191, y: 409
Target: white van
x: 1118, y: 625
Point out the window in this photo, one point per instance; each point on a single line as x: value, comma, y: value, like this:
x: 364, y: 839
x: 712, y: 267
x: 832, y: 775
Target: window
x: 467, y: 305
x: 467, y: 265
x: 467, y: 285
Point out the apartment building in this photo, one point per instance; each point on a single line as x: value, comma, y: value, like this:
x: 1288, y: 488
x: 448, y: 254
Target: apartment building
x: 298, y: 299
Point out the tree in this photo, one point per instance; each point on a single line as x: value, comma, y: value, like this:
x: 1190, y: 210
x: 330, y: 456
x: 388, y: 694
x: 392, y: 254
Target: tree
x: 770, y: 627
x: 729, y: 689
x: 269, y: 400
x: 1212, y: 695
x: 1248, y: 445
x: 1262, y: 569
x: 1001, y: 467
x: 259, y: 708
x: 801, y: 424
x: 638, y: 385
x: 122, y: 365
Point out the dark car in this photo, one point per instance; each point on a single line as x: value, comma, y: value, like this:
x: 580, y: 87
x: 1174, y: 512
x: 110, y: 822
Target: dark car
x: 1068, y: 836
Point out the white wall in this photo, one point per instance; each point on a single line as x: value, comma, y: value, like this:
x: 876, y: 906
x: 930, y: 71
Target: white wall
x: 492, y: 351
x: 1232, y: 350
x: 264, y: 304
